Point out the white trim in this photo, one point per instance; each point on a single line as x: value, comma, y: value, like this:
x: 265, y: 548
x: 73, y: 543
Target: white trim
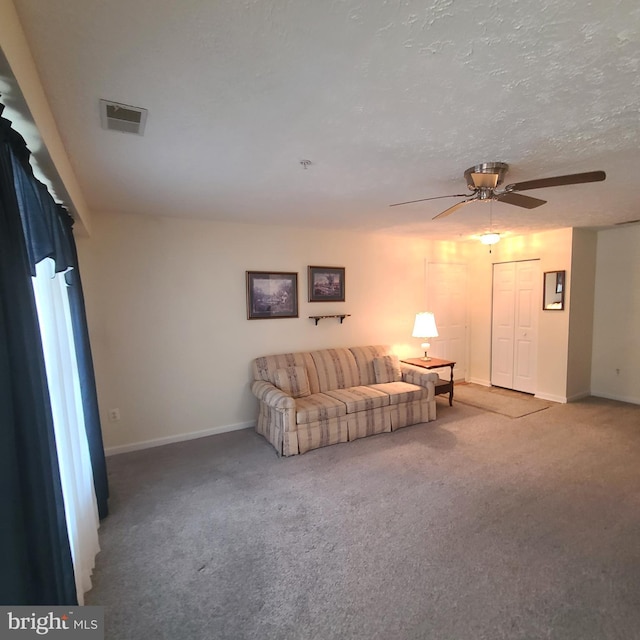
x: 552, y: 398
x: 579, y: 396
x: 629, y: 399
x: 484, y: 383
x: 158, y: 442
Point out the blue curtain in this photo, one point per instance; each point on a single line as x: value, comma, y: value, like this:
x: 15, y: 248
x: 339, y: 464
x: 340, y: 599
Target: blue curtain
x: 85, y: 369
x: 48, y: 234
x: 37, y: 566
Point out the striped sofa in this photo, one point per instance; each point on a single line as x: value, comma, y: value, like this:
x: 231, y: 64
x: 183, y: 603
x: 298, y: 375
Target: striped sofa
x: 317, y: 398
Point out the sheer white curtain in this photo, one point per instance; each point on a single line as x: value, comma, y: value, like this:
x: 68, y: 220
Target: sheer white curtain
x: 68, y: 419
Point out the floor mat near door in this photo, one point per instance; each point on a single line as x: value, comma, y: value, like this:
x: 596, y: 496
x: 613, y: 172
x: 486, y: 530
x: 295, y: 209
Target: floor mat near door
x: 504, y: 401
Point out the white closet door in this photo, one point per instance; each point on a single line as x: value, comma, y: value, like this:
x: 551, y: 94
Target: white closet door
x: 503, y: 324
x: 526, y: 328
x: 514, y: 335
x: 447, y: 298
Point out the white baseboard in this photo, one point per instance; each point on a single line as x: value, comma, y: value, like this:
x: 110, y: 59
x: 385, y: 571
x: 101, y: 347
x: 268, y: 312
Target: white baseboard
x: 629, y: 399
x: 484, y: 383
x: 551, y: 397
x: 158, y: 442
x: 579, y: 396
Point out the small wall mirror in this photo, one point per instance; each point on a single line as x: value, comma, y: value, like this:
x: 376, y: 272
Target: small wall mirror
x: 553, y: 290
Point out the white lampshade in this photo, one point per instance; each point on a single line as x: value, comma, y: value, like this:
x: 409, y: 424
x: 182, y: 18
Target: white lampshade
x: 425, y: 325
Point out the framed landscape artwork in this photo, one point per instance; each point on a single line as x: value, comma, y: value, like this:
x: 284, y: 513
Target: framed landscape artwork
x: 326, y: 284
x: 272, y: 294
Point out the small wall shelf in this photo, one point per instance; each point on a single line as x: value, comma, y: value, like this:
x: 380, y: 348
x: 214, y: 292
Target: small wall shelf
x: 342, y: 316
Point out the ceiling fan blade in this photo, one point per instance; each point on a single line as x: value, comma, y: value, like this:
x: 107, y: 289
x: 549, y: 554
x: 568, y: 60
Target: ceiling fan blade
x: 455, y: 195
x: 450, y: 210
x: 520, y: 201
x: 557, y: 181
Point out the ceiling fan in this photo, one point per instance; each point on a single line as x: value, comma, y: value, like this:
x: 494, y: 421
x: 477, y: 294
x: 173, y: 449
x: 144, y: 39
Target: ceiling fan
x: 483, y: 180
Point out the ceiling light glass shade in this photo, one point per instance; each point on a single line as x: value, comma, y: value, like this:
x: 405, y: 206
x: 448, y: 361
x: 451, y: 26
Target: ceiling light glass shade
x: 490, y: 238
x: 425, y: 325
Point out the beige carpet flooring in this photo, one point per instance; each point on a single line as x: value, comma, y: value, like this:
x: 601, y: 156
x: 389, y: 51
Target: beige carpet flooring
x: 475, y: 526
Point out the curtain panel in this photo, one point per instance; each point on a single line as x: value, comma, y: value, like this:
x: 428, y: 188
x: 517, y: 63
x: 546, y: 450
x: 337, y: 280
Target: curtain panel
x: 48, y: 233
x: 33, y: 227
x: 85, y: 368
x: 37, y: 564
x: 74, y: 461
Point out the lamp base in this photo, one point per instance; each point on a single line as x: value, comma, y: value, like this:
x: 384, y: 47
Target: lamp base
x: 425, y: 347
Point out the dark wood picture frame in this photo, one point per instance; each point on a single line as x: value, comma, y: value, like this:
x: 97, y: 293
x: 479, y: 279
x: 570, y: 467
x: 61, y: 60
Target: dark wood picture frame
x: 272, y: 294
x: 326, y: 284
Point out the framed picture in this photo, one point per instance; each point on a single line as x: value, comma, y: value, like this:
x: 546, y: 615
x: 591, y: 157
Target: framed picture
x: 326, y: 284
x: 272, y: 294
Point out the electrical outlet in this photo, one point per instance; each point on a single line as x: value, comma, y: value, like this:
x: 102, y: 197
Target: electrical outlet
x: 114, y: 415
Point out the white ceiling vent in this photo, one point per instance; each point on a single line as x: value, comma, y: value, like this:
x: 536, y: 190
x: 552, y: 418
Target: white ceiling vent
x: 122, y: 117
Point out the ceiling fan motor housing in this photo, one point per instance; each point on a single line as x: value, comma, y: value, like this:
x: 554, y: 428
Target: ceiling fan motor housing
x: 486, y: 175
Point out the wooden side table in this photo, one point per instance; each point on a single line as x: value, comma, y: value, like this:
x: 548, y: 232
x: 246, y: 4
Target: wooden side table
x: 444, y: 386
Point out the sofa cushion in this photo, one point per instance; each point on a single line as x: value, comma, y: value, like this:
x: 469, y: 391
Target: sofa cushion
x: 265, y: 367
x: 336, y: 369
x: 318, y: 407
x: 294, y: 381
x: 387, y: 369
x: 360, y: 398
x: 401, y: 392
x: 364, y: 357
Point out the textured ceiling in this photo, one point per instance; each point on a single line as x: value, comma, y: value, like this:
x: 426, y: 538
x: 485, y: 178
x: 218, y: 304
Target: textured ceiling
x: 390, y: 101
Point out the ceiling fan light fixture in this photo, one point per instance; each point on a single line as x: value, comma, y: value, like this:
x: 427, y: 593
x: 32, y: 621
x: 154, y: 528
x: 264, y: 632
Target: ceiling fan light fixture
x: 490, y: 238
x: 486, y: 180
x: 488, y: 175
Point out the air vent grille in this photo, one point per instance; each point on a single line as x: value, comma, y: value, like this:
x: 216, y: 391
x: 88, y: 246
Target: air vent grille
x: 122, y: 117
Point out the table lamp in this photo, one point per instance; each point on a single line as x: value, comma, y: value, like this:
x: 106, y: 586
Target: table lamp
x: 425, y: 328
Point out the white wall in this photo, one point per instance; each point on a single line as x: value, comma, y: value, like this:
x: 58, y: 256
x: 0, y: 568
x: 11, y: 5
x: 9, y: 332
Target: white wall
x: 583, y: 272
x: 166, y: 304
x: 616, y: 339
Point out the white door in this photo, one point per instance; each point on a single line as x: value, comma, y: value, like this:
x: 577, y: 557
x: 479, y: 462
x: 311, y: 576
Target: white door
x: 503, y: 324
x: 447, y: 298
x: 514, y: 349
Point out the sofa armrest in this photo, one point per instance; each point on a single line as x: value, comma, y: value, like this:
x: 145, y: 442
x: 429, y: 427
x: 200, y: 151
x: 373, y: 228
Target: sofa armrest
x: 272, y: 396
x: 421, y: 377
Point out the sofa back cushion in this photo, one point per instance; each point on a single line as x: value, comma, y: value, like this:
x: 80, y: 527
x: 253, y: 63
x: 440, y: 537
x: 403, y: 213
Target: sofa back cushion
x: 364, y: 357
x: 294, y: 381
x: 387, y: 369
x: 336, y: 369
x: 265, y: 368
